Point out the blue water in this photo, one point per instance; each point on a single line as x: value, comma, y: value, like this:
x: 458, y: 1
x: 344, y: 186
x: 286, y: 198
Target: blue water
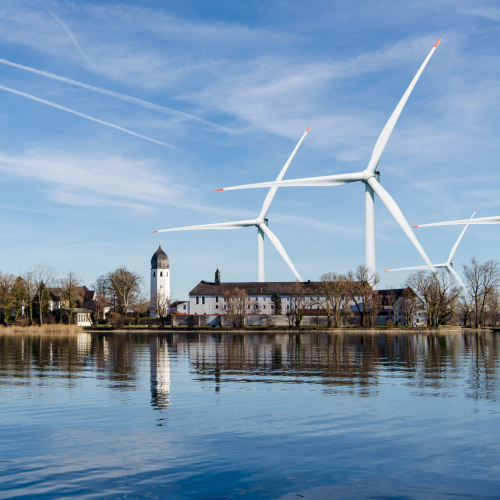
x: 202, y: 416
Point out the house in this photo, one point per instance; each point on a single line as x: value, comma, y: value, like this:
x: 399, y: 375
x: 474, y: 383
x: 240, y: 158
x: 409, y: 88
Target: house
x: 179, y: 306
x: 81, y: 316
x: 400, y: 304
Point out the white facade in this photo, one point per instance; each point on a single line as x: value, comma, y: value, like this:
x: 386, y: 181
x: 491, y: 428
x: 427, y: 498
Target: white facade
x: 258, y: 304
x: 160, y: 283
x: 83, y: 318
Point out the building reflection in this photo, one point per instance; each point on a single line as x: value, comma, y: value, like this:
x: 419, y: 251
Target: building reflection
x: 353, y: 362
x: 160, y: 372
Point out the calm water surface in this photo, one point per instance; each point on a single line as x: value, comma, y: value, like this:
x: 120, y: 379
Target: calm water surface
x: 206, y: 416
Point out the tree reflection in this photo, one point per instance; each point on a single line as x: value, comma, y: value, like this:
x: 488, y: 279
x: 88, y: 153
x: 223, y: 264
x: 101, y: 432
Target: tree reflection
x: 338, y: 362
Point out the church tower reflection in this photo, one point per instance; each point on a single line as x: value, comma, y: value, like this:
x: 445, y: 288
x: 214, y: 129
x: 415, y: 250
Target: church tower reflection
x: 160, y: 373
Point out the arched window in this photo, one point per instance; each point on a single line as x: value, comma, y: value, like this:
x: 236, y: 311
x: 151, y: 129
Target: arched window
x: 161, y: 274
x: 154, y: 274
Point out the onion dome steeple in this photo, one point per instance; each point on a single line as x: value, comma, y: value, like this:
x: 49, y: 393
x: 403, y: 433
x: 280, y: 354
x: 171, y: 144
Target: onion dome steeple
x: 160, y: 260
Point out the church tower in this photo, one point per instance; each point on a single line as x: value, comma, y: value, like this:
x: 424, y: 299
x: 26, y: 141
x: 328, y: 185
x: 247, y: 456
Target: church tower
x: 160, y: 284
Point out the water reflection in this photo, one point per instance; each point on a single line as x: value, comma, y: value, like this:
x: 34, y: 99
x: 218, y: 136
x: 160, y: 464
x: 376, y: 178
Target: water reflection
x: 160, y: 372
x: 430, y: 364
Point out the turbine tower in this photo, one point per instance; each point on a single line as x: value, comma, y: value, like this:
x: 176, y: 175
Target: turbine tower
x: 370, y: 177
x: 260, y: 223
x: 448, y: 265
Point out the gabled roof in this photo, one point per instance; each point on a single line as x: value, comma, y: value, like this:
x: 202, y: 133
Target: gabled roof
x: 255, y: 288
x: 398, y: 292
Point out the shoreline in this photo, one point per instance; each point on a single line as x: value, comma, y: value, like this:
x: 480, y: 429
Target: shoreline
x: 74, y: 330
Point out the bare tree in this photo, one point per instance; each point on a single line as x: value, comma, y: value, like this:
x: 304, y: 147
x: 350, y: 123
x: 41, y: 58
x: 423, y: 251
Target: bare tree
x: 236, y: 302
x: 493, y: 308
x: 124, y: 286
x: 482, y: 280
x: 161, y: 306
x: 374, y: 307
x: 101, y: 300
x: 20, y: 295
x: 72, y: 291
x: 392, y: 301
x: 332, y: 298
x: 437, y: 294
x: 299, y: 300
x: 7, y: 297
x: 37, y: 281
x: 360, y: 285
x: 407, y: 305
x: 466, y: 309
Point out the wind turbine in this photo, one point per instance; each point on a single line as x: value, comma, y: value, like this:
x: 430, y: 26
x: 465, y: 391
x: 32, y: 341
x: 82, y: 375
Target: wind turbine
x: 370, y: 177
x: 260, y: 223
x: 448, y: 265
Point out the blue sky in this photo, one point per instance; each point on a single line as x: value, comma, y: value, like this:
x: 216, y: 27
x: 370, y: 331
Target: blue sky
x: 238, y: 83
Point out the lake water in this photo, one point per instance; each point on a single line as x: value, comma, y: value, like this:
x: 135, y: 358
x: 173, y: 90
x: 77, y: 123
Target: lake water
x: 286, y: 416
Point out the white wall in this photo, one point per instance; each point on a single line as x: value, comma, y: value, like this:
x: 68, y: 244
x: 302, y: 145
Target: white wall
x: 209, y: 304
x: 160, y: 287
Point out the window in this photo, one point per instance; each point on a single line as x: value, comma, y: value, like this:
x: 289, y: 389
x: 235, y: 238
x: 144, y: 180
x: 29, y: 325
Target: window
x: 224, y: 307
x: 216, y: 307
x: 272, y: 307
x: 184, y: 306
x: 256, y: 306
x: 288, y: 307
x: 249, y: 307
x: 161, y: 274
x: 197, y: 300
x: 264, y: 306
x: 154, y: 274
x: 216, y: 299
x: 203, y: 300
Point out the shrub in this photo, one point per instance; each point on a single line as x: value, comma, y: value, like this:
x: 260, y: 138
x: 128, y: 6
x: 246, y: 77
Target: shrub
x: 117, y: 320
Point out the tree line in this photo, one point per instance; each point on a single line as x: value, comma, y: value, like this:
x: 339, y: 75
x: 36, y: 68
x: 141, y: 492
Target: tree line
x: 340, y: 296
x: 121, y: 292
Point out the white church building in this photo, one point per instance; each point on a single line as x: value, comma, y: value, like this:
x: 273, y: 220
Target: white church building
x: 160, y: 284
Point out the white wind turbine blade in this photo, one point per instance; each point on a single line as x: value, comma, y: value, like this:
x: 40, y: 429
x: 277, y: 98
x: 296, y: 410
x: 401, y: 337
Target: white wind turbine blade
x: 481, y: 220
x: 407, y: 268
x: 274, y: 240
x: 221, y: 225
x: 387, y: 131
x: 398, y: 215
x: 272, y: 191
x: 457, y: 277
x: 326, y: 180
x: 454, y: 249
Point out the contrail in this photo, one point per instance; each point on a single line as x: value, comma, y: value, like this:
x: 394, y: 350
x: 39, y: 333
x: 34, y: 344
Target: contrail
x: 140, y: 102
x: 54, y: 105
x: 68, y: 31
